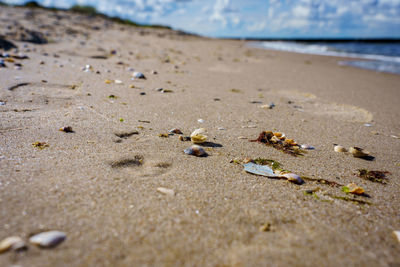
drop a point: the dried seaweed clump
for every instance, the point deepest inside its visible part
(280, 142)
(373, 176)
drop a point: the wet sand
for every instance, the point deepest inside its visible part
(101, 190)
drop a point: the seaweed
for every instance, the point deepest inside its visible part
(373, 176)
(274, 164)
(266, 137)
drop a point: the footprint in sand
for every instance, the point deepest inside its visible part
(137, 164)
(309, 103)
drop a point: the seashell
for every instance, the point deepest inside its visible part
(175, 131)
(242, 137)
(339, 148)
(48, 239)
(355, 189)
(196, 150)
(138, 75)
(294, 178)
(275, 139)
(197, 136)
(278, 134)
(166, 191)
(358, 152)
(118, 81)
(67, 129)
(397, 234)
(13, 242)
(200, 121)
(269, 106)
(257, 169)
(305, 146)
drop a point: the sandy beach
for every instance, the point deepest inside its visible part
(99, 183)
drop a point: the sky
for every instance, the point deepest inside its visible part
(257, 18)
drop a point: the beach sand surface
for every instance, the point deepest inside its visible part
(101, 189)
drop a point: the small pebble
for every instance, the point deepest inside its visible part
(48, 239)
(2, 103)
(294, 178)
(368, 125)
(142, 93)
(138, 75)
(154, 72)
(305, 146)
(200, 121)
(196, 150)
(269, 106)
(166, 191)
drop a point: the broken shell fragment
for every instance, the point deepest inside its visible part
(355, 189)
(197, 136)
(339, 148)
(263, 170)
(175, 131)
(13, 242)
(184, 138)
(358, 152)
(196, 150)
(138, 75)
(294, 178)
(48, 239)
(166, 191)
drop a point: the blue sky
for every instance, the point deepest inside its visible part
(257, 18)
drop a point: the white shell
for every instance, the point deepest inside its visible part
(118, 81)
(166, 191)
(338, 148)
(12, 242)
(291, 177)
(48, 239)
(198, 136)
(200, 121)
(358, 152)
(397, 234)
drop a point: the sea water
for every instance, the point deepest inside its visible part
(381, 57)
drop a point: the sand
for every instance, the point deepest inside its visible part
(113, 214)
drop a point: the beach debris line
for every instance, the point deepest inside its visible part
(196, 150)
(48, 239)
(279, 141)
(166, 191)
(14, 243)
(198, 136)
(373, 176)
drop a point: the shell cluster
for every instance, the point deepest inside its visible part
(138, 75)
(357, 152)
